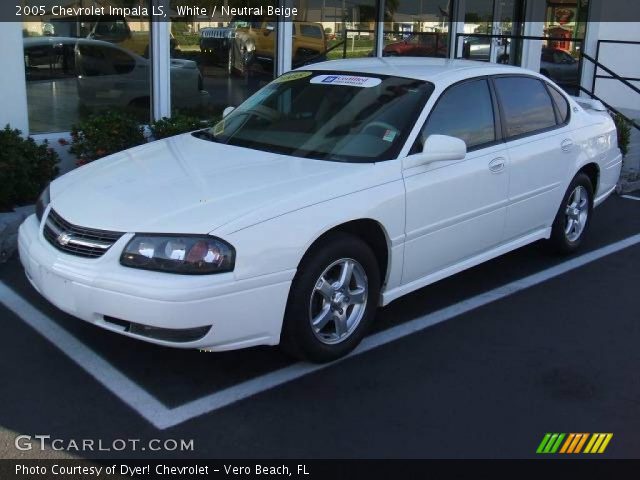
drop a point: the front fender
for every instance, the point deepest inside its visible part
(279, 244)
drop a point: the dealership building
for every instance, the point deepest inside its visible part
(58, 69)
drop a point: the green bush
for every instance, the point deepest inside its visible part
(624, 133)
(25, 168)
(185, 39)
(103, 134)
(177, 124)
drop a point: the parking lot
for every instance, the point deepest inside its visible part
(479, 365)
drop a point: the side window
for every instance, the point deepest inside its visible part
(526, 105)
(561, 104)
(50, 62)
(464, 111)
(98, 60)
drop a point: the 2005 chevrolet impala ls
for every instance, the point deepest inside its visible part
(331, 191)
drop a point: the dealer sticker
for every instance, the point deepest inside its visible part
(218, 128)
(389, 135)
(350, 80)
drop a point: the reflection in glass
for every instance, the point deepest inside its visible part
(77, 65)
(417, 28)
(234, 57)
(326, 115)
(333, 29)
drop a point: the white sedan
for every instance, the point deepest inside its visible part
(335, 189)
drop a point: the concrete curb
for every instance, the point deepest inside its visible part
(9, 224)
(625, 186)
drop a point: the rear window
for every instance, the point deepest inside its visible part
(526, 105)
(310, 31)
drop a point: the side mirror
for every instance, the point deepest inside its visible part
(437, 148)
(227, 111)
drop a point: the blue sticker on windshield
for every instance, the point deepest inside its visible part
(348, 80)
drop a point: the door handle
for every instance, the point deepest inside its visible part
(497, 164)
(566, 145)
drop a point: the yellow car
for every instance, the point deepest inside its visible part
(252, 46)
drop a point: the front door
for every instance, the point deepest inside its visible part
(456, 209)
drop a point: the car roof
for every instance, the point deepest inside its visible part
(422, 68)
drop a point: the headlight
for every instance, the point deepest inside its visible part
(186, 254)
(42, 203)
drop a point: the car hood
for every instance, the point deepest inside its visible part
(188, 185)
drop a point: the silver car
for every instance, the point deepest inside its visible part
(105, 74)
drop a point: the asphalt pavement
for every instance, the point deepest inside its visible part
(558, 356)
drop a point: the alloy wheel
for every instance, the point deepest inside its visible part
(576, 213)
(338, 301)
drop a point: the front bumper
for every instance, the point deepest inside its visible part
(103, 292)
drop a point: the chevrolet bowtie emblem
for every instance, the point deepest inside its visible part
(64, 238)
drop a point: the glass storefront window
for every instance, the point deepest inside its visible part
(565, 28)
(416, 29)
(78, 65)
(333, 29)
(219, 60)
(493, 28)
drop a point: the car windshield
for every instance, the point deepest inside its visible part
(323, 115)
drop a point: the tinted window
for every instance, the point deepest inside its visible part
(561, 104)
(310, 31)
(327, 116)
(50, 62)
(99, 60)
(547, 56)
(526, 104)
(464, 111)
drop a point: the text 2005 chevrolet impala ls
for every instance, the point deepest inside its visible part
(331, 191)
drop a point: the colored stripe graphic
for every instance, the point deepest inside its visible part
(574, 443)
(550, 443)
(598, 442)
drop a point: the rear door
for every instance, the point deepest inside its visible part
(541, 151)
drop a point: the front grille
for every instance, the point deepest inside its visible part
(75, 240)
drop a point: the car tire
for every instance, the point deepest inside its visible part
(342, 311)
(574, 216)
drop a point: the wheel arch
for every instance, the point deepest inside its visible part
(591, 170)
(369, 231)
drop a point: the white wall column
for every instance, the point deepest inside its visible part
(161, 65)
(457, 26)
(379, 33)
(13, 87)
(284, 42)
(531, 49)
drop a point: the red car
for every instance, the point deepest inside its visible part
(418, 45)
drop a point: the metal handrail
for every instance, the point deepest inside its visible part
(630, 121)
(616, 42)
(614, 76)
